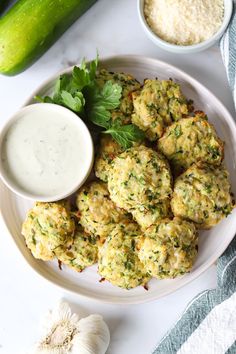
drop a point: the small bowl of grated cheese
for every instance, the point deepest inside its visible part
(183, 26)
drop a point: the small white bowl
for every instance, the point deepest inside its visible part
(58, 154)
(186, 49)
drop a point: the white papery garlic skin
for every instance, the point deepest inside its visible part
(94, 336)
(64, 333)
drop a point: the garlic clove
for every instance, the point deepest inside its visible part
(93, 336)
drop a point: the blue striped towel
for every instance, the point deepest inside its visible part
(208, 325)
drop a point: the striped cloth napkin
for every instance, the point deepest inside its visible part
(208, 325)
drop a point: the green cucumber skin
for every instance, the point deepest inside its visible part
(30, 27)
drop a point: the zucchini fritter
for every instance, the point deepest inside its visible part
(97, 213)
(169, 248)
(118, 260)
(202, 194)
(81, 254)
(46, 227)
(151, 214)
(139, 178)
(157, 105)
(108, 150)
(191, 140)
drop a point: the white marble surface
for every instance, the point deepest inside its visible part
(113, 28)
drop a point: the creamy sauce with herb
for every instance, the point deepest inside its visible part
(43, 153)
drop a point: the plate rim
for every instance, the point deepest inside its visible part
(115, 299)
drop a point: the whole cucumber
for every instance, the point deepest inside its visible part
(30, 27)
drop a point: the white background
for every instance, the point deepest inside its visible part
(112, 27)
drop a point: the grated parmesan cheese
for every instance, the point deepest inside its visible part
(184, 22)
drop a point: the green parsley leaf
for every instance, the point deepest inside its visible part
(45, 99)
(68, 88)
(63, 83)
(75, 103)
(110, 95)
(93, 67)
(100, 101)
(81, 78)
(84, 76)
(100, 116)
(125, 135)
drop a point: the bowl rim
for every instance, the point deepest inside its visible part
(228, 9)
(88, 146)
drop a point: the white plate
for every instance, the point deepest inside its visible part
(212, 242)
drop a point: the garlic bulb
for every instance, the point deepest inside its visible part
(64, 333)
(94, 336)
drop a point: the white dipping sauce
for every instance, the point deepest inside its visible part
(44, 152)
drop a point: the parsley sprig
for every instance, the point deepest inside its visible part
(80, 93)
